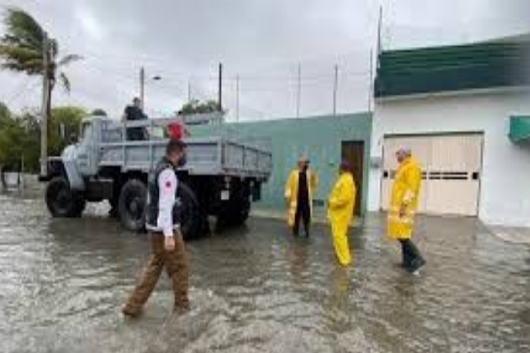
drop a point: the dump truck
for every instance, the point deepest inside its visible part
(221, 178)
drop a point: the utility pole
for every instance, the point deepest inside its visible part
(21, 177)
(379, 49)
(379, 28)
(142, 87)
(220, 91)
(299, 90)
(44, 107)
(371, 84)
(189, 90)
(335, 88)
(237, 98)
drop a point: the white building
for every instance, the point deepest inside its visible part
(465, 112)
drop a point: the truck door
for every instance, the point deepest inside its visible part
(87, 153)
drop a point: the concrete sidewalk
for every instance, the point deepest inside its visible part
(511, 234)
(318, 217)
(507, 234)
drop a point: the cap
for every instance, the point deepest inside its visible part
(303, 159)
(404, 149)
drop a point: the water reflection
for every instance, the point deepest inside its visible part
(339, 309)
(257, 288)
(298, 257)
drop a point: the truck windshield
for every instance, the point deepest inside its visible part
(86, 131)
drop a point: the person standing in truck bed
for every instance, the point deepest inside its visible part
(135, 112)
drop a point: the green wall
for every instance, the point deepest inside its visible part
(319, 138)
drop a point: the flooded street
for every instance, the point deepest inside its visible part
(258, 289)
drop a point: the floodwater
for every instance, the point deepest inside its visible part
(257, 289)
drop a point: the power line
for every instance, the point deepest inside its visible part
(205, 77)
(335, 87)
(27, 91)
(18, 91)
(298, 90)
(258, 87)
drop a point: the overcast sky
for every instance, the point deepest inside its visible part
(261, 41)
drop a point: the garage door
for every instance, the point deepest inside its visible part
(451, 172)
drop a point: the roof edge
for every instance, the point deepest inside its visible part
(455, 93)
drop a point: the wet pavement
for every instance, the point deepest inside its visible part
(257, 289)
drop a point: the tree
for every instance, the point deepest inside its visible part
(22, 50)
(11, 142)
(5, 116)
(196, 107)
(5, 113)
(20, 137)
(99, 112)
(31, 150)
(64, 127)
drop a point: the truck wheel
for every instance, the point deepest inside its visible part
(187, 212)
(132, 205)
(62, 201)
(114, 200)
(244, 211)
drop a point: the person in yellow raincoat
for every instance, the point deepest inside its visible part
(299, 190)
(403, 206)
(341, 203)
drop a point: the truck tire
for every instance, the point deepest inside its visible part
(132, 205)
(244, 210)
(187, 211)
(114, 200)
(62, 201)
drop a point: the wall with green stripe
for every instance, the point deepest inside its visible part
(319, 138)
(452, 68)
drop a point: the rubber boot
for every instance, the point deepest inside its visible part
(404, 257)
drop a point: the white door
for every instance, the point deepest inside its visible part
(451, 172)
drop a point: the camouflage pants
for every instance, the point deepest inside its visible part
(176, 265)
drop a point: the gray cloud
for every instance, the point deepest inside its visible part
(260, 40)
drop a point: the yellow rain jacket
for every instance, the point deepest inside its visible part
(341, 204)
(405, 192)
(291, 193)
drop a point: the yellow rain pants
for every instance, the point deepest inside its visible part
(341, 204)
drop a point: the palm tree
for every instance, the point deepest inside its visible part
(22, 49)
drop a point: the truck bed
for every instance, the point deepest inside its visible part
(216, 155)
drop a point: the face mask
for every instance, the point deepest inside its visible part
(182, 161)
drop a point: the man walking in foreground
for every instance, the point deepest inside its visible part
(299, 191)
(164, 234)
(403, 206)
